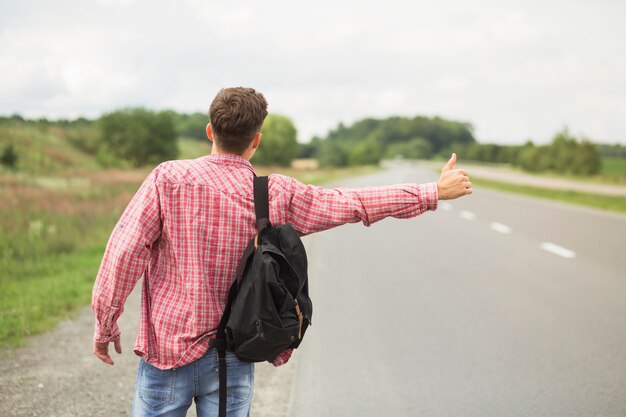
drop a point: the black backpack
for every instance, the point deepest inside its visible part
(268, 308)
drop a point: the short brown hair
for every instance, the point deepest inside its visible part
(236, 115)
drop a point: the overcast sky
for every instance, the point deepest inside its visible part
(515, 70)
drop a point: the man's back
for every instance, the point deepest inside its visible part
(206, 210)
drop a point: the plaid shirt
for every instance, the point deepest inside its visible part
(185, 230)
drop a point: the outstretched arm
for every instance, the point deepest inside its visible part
(313, 209)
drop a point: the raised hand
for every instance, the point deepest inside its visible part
(453, 183)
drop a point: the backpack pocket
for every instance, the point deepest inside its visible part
(267, 342)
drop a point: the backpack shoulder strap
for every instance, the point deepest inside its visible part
(262, 211)
(261, 202)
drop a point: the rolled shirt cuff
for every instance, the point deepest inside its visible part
(105, 336)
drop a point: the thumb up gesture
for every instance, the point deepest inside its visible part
(453, 183)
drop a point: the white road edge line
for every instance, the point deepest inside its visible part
(501, 228)
(467, 215)
(558, 250)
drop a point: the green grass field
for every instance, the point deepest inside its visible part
(614, 167)
(48, 290)
(53, 230)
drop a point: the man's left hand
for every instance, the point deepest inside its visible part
(101, 350)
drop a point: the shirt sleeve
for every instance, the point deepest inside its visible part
(283, 358)
(313, 209)
(126, 257)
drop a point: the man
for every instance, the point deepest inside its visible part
(185, 231)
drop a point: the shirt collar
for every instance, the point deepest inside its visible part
(230, 159)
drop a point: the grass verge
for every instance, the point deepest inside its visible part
(613, 203)
(614, 167)
(53, 289)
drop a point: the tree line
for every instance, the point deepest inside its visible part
(565, 154)
(367, 141)
(139, 136)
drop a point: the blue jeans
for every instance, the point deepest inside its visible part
(170, 393)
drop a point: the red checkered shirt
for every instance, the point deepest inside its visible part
(185, 230)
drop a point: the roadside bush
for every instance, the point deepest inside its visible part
(535, 159)
(587, 160)
(565, 155)
(8, 158)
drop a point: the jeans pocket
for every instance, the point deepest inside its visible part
(240, 380)
(156, 386)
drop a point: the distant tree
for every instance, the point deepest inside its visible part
(587, 160)
(278, 143)
(309, 150)
(85, 137)
(571, 156)
(16, 118)
(8, 158)
(534, 158)
(562, 151)
(140, 136)
(368, 152)
(508, 154)
(191, 125)
(488, 152)
(393, 133)
(418, 148)
(332, 154)
(613, 151)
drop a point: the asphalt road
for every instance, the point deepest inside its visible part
(495, 305)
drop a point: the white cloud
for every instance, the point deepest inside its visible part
(515, 71)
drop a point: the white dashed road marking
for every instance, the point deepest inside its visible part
(501, 228)
(558, 250)
(507, 230)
